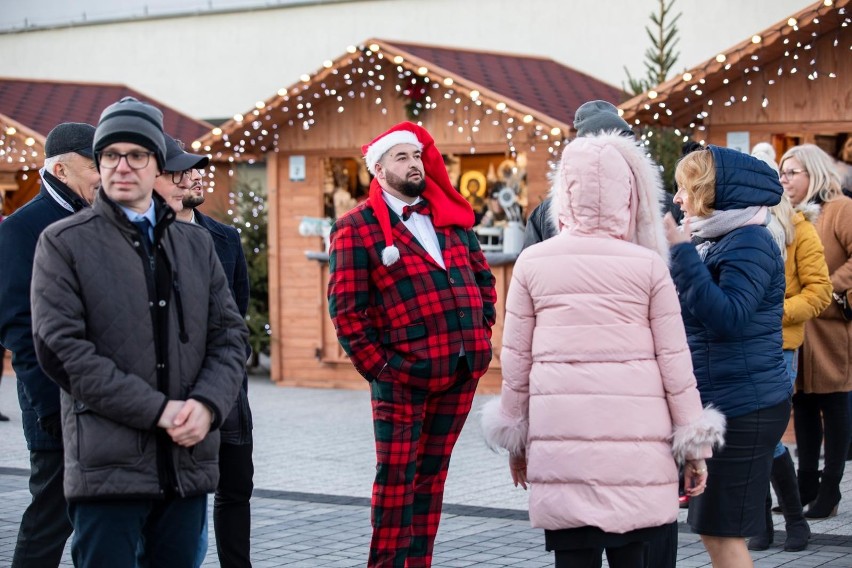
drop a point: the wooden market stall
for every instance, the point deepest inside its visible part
(21, 153)
(788, 84)
(35, 106)
(499, 119)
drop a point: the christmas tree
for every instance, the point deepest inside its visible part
(248, 199)
(663, 143)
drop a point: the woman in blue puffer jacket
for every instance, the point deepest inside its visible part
(731, 287)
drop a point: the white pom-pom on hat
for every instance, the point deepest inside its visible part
(390, 255)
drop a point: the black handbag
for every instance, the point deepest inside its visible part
(845, 302)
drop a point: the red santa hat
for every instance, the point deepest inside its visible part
(447, 206)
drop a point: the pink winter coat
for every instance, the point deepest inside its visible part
(597, 374)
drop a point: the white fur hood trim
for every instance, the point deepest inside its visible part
(649, 232)
(502, 431)
(811, 211)
(692, 440)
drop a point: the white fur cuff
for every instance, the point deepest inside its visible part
(692, 440)
(502, 431)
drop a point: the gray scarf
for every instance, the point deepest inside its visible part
(720, 223)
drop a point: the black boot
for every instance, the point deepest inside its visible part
(808, 486)
(827, 499)
(762, 541)
(787, 489)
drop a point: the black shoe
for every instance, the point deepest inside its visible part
(3, 417)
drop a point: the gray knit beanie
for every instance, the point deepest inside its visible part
(599, 116)
(133, 121)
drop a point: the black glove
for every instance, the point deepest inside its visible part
(52, 424)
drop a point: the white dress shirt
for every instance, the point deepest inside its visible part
(420, 226)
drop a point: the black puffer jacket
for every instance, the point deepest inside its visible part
(539, 225)
(122, 339)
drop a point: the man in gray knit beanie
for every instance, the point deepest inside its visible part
(134, 320)
(133, 121)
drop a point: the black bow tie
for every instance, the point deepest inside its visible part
(420, 207)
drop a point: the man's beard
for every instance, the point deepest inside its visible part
(405, 187)
(191, 201)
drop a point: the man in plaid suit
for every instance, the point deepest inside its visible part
(412, 299)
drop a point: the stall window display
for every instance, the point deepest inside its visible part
(494, 185)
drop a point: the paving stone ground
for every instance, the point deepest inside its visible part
(314, 462)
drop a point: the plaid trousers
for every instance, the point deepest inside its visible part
(415, 432)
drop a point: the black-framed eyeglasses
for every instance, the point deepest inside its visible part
(136, 159)
(790, 173)
(178, 177)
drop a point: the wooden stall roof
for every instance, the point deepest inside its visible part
(536, 91)
(21, 148)
(782, 48)
(40, 105)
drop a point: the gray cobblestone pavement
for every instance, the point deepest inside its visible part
(314, 463)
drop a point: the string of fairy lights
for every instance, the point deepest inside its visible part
(18, 150)
(374, 73)
(371, 72)
(803, 38)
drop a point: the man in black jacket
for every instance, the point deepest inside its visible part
(69, 180)
(231, 505)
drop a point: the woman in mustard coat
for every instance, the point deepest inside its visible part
(821, 406)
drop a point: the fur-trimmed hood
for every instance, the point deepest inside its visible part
(810, 211)
(606, 185)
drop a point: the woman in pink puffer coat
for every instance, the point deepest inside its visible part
(599, 400)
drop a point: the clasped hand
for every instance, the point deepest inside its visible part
(186, 421)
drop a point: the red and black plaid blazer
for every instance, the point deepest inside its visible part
(412, 318)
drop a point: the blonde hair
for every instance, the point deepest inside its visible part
(823, 177)
(696, 175)
(781, 226)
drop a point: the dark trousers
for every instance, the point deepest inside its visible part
(633, 555)
(415, 432)
(45, 525)
(817, 416)
(115, 533)
(662, 551)
(231, 508)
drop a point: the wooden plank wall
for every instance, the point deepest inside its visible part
(797, 106)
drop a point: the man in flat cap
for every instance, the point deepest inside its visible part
(133, 318)
(68, 183)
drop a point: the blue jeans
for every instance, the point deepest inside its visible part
(204, 539)
(115, 532)
(791, 358)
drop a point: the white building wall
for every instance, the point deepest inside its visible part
(212, 66)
